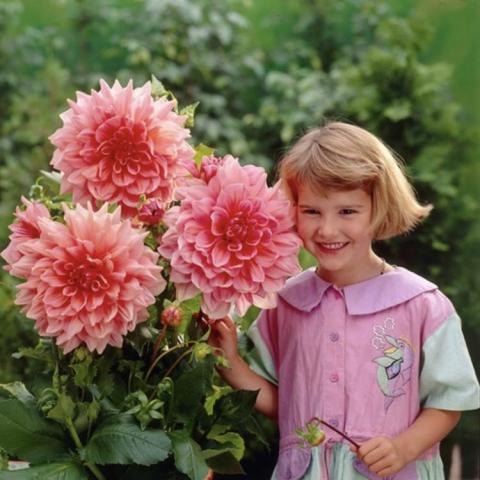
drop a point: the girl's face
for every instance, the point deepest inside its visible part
(335, 227)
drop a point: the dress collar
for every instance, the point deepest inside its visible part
(305, 291)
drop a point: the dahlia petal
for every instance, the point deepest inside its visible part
(220, 254)
(185, 291)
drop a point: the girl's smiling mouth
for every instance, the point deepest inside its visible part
(332, 247)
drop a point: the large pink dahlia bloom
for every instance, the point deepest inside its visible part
(91, 280)
(24, 228)
(118, 143)
(231, 239)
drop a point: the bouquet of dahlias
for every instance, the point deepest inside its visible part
(125, 254)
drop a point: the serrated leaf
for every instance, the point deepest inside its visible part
(26, 434)
(52, 471)
(188, 456)
(19, 391)
(119, 440)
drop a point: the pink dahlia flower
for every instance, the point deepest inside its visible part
(92, 279)
(25, 228)
(118, 143)
(231, 239)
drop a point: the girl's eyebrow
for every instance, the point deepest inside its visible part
(358, 207)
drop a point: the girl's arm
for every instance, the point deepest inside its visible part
(386, 456)
(238, 374)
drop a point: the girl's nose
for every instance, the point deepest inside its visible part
(326, 228)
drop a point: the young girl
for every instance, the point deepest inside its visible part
(373, 349)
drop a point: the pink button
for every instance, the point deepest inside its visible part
(334, 378)
(334, 336)
(333, 422)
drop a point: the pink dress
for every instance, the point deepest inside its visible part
(366, 358)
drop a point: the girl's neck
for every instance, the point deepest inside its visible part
(370, 268)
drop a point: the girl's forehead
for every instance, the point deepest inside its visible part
(308, 194)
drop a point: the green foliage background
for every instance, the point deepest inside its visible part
(264, 72)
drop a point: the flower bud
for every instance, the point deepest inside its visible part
(152, 212)
(316, 438)
(201, 350)
(171, 316)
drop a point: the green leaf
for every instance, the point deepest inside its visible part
(202, 151)
(119, 440)
(188, 456)
(19, 391)
(85, 370)
(158, 90)
(28, 435)
(225, 463)
(65, 408)
(42, 352)
(189, 112)
(236, 407)
(188, 308)
(217, 393)
(231, 442)
(52, 471)
(190, 389)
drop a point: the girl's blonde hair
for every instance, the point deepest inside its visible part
(345, 157)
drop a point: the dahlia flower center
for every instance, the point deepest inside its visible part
(87, 276)
(247, 226)
(125, 147)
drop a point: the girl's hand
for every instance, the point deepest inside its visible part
(224, 337)
(382, 455)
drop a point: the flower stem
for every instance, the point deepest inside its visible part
(78, 443)
(344, 435)
(177, 361)
(158, 342)
(154, 363)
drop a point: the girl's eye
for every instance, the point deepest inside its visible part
(309, 211)
(347, 211)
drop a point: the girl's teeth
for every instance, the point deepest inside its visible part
(333, 246)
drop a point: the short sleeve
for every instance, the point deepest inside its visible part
(447, 378)
(264, 335)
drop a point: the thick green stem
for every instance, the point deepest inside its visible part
(78, 443)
